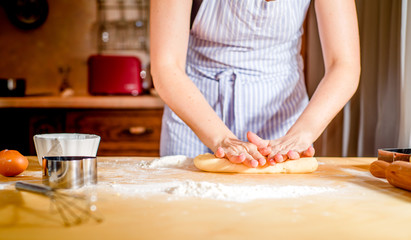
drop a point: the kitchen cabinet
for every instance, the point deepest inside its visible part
(128, 126)
(122, 132)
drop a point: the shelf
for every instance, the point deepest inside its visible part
(84, 102)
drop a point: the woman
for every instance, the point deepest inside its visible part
(233, 82)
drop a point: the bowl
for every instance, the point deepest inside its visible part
(65, 144)
(394, 154)
(69, 172)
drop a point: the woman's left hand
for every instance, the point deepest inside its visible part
(289, 147)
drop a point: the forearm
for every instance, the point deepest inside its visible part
(334, 91)
(184, 98)
(338, 28)
(169, 33)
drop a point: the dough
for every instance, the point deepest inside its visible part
(208, 162)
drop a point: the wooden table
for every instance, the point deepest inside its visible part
(362, 207)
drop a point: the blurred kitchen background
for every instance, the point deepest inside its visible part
(72, 32)
(49, 44)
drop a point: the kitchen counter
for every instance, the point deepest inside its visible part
(88, 102)
(351, 205)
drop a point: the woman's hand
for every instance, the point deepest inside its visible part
(237, 151)
(279, 150)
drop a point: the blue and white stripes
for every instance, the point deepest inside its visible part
(244, 57)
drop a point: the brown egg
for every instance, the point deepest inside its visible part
(12, 163)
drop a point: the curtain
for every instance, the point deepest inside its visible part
(371, 119)
(405, 124)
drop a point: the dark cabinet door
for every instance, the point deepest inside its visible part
(45, 121)
(14, 131)
(18, 126)
(122, 132)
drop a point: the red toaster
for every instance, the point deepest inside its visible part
(114, 75)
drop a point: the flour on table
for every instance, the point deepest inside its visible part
(177, 161)
(5, 186)
(356, 172)
(176, 177)
(242, 193)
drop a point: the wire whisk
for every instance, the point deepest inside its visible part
(73, 209)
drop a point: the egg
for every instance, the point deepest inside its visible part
(12, 163)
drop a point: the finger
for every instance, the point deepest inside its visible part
(262, 161)
(276, 158)
(293, 155)
(271, 161)
(255, 139)
(265, 151)
(250, 162)
(279, 158)
(276, 150)
(234, 158)
(309, 152)
(220, 152)
(256, 155)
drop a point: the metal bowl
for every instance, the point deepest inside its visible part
(65, 144)
(69, 172)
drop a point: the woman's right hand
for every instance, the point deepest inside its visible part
(237, 151)
(290, 147)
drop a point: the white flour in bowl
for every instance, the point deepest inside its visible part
(176, 177)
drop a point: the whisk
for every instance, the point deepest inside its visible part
(73, 208)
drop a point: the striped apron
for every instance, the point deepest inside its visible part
(244, 56)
